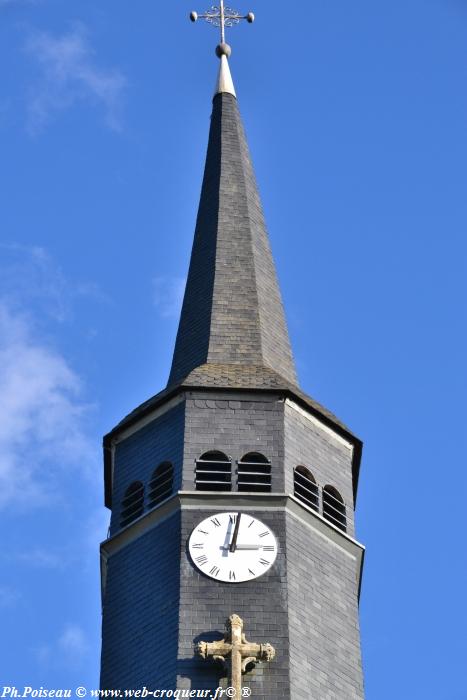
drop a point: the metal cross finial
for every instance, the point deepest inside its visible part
(222, 17)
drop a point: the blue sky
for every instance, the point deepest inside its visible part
(356, 116)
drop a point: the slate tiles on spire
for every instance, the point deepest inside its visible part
(232, 311)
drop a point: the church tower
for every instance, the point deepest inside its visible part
(231, 559)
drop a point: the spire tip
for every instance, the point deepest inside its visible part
(224, 79)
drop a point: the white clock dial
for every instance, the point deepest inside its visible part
(232, 547)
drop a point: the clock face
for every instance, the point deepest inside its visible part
(232, 547)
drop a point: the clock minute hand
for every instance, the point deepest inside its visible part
(233, 544)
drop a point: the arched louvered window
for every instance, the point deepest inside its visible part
(334, 507)
(161, 484)
(254, 473)
(305, 487)
(213, 472)
(132, 504)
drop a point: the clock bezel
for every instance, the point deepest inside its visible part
(238, 570)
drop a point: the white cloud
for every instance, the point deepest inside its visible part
(41, 414)
(70, 75)
(168, 295)
(44, 433)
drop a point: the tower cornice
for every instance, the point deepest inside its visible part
(254, 502)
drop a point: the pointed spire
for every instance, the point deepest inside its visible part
(224, 78)
(232, 329)
(232, 318)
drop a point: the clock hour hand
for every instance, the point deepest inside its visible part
(244, 547)
(233, 544)
(225, 547)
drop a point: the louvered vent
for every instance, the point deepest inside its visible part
(254, 473)
(213, 472)
(334, 507)
(133, 503)
(161, 484)
(305, 487)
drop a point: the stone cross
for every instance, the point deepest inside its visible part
(242, 655)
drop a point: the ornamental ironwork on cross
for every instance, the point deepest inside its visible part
(222, 17)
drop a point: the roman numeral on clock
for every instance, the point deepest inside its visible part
(267, 548)
(202, 560)
(233, 519)
(214, 571)
(200, 545)
(215, 522)
(231, 575)
(264, 562)
(263, 534)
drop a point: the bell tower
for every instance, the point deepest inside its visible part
(231, 559)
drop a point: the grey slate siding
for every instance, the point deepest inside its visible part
(306, 605)
(232, 310)
(323, 454)
(158, 605)
(137, 456)
(262, 604)
(236, 425)
(325, 659)
(140, 611)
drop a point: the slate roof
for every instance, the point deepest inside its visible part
(213, 376)
(232, 311)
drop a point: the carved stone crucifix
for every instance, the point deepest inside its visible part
(241, 654)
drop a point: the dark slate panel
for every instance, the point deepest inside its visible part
(205, 605)
(137, 456)
(140, 612)
(322, 591)
(234, 425)
(324, 454)
(232, 310)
